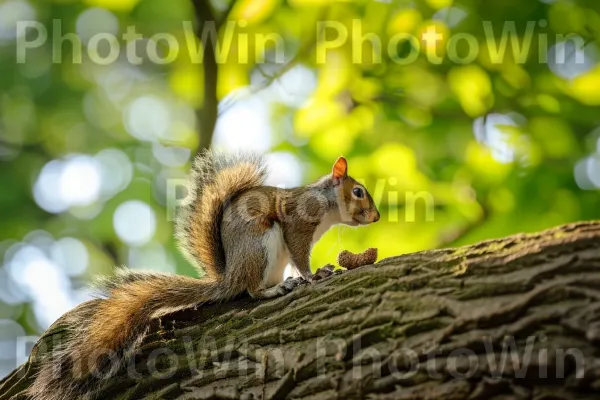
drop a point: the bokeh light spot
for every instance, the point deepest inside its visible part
(11, 13)
(134, 222)
(284, 170)
(71, 255)
(94, 21)
(79, 183)
(148, 118)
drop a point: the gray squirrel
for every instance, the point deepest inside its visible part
(239, 233)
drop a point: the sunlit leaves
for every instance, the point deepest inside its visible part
(566, 17)
(501, 200)
(335, 75)
(472, 86)
(398, 162)
(479, 159)
(548, 103)
(187, 82)
(554, 136)
(115, 5)
(419, 84)
(405, 20)
(434, 36)
(318, 114)
(254, 11)
(516, 76)
(303, 3)
(232, 76)
(437, 4)
(585, 87)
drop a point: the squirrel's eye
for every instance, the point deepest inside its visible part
(358, 192)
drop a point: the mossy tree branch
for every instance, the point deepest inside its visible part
(429, 325)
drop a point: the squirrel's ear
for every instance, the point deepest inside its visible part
(340, 168)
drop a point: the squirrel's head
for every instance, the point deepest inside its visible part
(355, 203)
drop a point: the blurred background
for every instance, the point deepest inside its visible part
(92, 156)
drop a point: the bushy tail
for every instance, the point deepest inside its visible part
(215, 179)
(105, 328)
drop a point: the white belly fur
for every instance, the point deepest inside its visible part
(278, 256)
(330, 219)
(278, 253)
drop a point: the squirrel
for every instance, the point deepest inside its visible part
(239, 233)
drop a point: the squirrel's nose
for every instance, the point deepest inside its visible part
(376, 217)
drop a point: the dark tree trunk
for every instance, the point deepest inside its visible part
(513, 318)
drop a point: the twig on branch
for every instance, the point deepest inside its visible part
(225, 14)
(302, 53)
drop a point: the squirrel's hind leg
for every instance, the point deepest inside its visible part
(261, 259)
(276, 260)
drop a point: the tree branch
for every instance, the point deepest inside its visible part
(207, 115)
(429, 325)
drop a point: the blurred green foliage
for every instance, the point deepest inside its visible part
(494, 148)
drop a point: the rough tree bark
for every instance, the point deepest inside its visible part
(429, 325)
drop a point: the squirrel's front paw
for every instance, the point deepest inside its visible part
(290, 284)
(324, 272)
